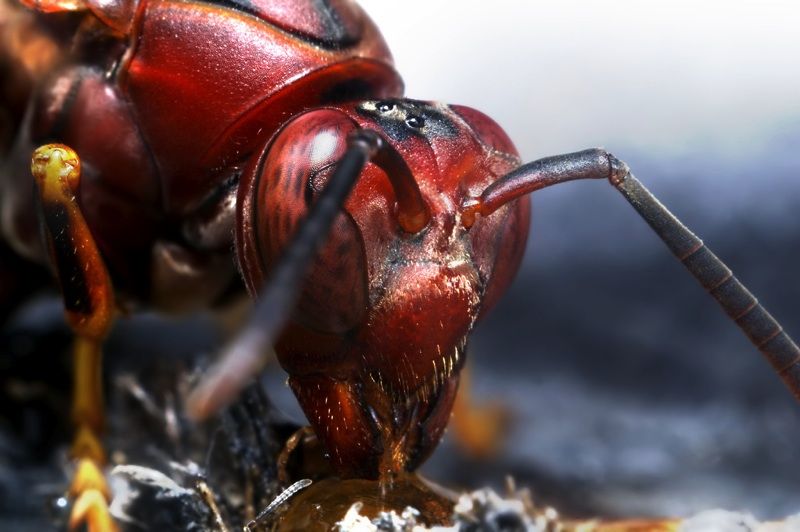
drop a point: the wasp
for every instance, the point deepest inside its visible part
(179, 150)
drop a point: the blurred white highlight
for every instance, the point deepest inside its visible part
(666, 77)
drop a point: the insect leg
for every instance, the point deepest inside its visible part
(88, 306)
(480, 428)
(738, 303)
(242, 360)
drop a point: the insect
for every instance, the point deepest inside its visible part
(428, 240)
(561, 321)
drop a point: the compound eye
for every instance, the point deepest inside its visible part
(415, 122)
(285, 182)
(487, 132)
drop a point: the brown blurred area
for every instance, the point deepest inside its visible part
(29, 48)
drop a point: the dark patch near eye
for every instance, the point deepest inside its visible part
(343, 249)
(287, 182)
(416, 122)
(334, 34)
(309, 192)
(245, 6)
(70, 270)
(394, 128)
(315, 183)
(338, 269)
(288, 171)
(348, 91)
(276, 177)
(403, 118)
(298, 184)
(299, 179)
(285, 226)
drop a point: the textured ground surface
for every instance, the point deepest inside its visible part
(630, 393)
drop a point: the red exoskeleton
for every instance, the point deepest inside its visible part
(374, 230)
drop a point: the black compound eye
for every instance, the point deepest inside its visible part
(385, 107)
(416, 122)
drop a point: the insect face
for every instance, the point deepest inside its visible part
(401, 281)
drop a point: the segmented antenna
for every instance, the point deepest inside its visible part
(743, 308)
(738, 303)
(284, 496)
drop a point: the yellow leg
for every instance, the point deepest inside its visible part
(89, 308)
(480, 430)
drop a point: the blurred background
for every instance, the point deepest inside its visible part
(630, 392)
(627, 390)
